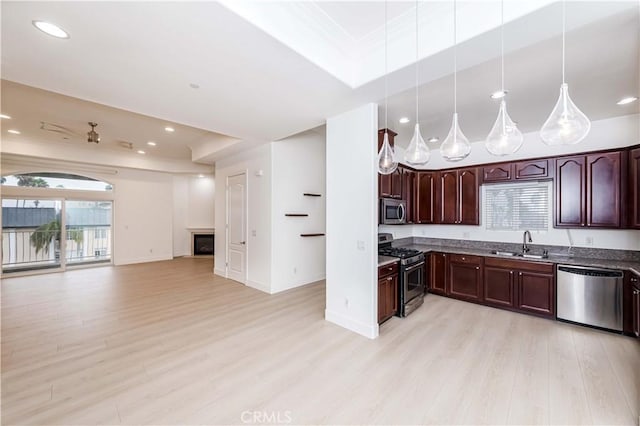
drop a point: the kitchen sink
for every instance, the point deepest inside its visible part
(534, 256)
(524, 255)
(504, 253)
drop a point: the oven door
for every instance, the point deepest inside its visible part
(413, 281)
(392, 212)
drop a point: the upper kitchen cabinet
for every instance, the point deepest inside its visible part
(389, 186)
(588, 190)
(425, 197)
(516, 172)
(458, 197)
(502, 172)
(409, 193)
(634, 188)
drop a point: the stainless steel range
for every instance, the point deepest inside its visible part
(411, 285)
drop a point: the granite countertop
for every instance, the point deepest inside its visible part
(561, 258)
(386, 260)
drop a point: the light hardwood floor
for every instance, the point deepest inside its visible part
(169, 343)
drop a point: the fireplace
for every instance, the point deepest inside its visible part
(203, 244)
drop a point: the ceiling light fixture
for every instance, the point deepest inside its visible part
(151, 143)
(140, 151)
(51, 29)
(387, 161)
(404, 120)
(566, 125)
(456, 146)
(623, 101)
(169, 129)
(194, 85)
(418, 152)
(505, 137)
(200, 175)
(14, 132)
(8, 117)
(434, 139)
(499, 94)
(92, 135)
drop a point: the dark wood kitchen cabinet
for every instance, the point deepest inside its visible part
(499, 285)
(631, 305)
(389, 186)
(425, 197)
(536, 292)
(531, 170)
(458, 197)
(634, 188)
(387, 291)
(465, 277)
(408, 193)
(502, 172)
(438, 273)
(588, 190)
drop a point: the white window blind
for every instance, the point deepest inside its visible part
(517, 207)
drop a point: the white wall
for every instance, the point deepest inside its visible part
(352, 197)
(193, 207)
(298, 167)
(605, 134)
(256, 163)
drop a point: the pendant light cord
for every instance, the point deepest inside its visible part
(563, 36)
(386, 78)
(455, 59)
(502, 42)
(417, 60)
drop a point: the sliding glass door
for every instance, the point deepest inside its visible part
(88, 232)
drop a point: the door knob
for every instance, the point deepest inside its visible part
(243, 242)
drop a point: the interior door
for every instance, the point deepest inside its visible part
(237, 228)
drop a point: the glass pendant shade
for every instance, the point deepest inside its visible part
(456, 146)
(387, 163)
(566, 125)
(418, 152)
(504, 138)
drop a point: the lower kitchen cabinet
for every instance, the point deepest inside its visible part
(536, 292)
(465, 277)
(438, 273)
(499, 288)
(387, 292)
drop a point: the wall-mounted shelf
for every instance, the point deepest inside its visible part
(296, 214)
(308, 194)
(311, 235)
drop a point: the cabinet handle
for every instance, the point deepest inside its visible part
(390, 278)
(510, 272)
(477, 267)
(463, 258)
(634, 280)
(520, 273)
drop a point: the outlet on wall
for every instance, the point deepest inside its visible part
(465, 235)
(295, 270)
(588, 241)
(360, 245)
(253, 232)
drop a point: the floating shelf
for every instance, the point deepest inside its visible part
(311, 235)
(296, 214)
(308, 194)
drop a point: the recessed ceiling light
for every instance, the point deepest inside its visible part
(434, 139)
(169, 129)
(194, 85)
(14, 132)
(404, 120)
(8, 117)
(141, 151)
(499, 94)
(627, 100)
(201, 175)
(51, 29)
(151, 143)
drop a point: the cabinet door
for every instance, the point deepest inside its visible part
(603, 190)
(408, 193)
(468, 198)
(465, 277)
(425, 198)
(382, 299)
(438, 269)
(536, 293)
(636, 311)
(396, 183)
(384, 186)
(536, 169)
(448, 197)
(634, 188)
(392, 297)
(497, 173)
(499, 286)
(570, 192)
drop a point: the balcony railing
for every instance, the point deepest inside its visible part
(93, 244)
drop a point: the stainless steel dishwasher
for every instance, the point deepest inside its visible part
(590, 296)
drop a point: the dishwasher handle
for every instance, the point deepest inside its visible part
(591, 272)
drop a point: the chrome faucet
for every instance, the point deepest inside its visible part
(525, 247)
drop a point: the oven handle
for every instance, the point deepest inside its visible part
(412, 267)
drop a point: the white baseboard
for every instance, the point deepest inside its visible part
(219, 272)
(259, 286)
(298, 284)
(141, 260)
(369, 331)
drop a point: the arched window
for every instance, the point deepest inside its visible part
(56, 180)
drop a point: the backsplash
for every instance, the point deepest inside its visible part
(582, 252)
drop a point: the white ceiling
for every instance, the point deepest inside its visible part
(256, 85)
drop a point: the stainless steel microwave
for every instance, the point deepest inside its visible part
(392, 212)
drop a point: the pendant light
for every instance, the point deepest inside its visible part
(566, 125)
(505, 137)
(456, 146)
(418, 152)
(387, 162)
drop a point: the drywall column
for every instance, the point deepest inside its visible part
(351, 240)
